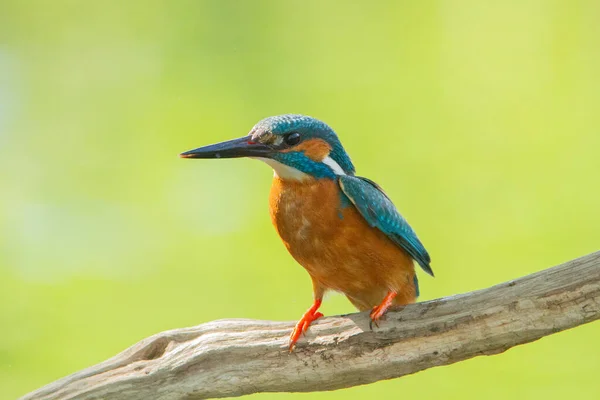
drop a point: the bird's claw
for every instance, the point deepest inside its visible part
(378, 312)
(302, 326)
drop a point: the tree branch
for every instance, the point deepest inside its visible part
(236, 357)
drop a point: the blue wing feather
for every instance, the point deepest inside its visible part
(379, 211)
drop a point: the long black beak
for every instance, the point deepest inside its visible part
(242, 147)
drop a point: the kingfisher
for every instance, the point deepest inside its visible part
(342, 228)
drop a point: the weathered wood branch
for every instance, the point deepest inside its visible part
(237, 357)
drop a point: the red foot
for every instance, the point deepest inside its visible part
(309, 316)
(381, 309)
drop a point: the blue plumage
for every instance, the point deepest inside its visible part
(379, 211)
(309, 128)
(416, 282)
(301, 162)
(314, 177)
(370, 200)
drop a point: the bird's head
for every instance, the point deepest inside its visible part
(296, 146)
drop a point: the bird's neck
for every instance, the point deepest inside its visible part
(287, 173)
(298, 165)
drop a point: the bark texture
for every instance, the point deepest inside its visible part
(237, 357)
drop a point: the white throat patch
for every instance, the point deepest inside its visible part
(283, 171)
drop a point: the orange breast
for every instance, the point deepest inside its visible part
(336, 245)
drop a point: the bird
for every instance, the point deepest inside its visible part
(342, 228)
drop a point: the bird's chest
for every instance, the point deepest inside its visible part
(307, 217)
(333, 242)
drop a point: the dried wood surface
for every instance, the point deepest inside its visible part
(236, 357)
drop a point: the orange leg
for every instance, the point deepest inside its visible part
(378, 311)
(309, 316)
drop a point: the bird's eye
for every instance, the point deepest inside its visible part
(292, 139)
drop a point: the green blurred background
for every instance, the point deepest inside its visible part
(479, 119)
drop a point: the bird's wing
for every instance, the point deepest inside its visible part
(379, 211)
